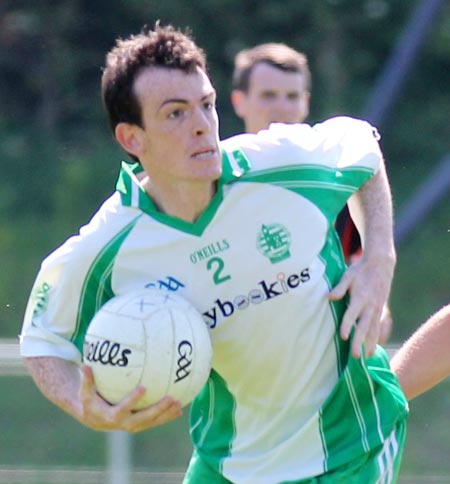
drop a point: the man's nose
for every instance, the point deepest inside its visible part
(202, 122)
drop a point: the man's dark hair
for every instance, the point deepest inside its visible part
(275, 54)
(160, 47)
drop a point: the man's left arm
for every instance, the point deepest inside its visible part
(369, 279)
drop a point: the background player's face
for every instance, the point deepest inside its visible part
(273, 95)
(180, 140)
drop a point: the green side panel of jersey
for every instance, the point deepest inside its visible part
(333, 260)
(362, 410)
(367, 401)
(217, 426)
(97, 285)
(328, 188)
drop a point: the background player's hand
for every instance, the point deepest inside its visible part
(368, 282)
(100, 415)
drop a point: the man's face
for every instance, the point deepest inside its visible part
(274, 96)
(179, 141)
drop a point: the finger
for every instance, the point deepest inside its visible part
(360, 334)
(385, 326)
(87, 373)
(349, 320)
(367, 333)
(128, 404)
(160, 413)
(340, 290)
(88, 388)
(166, 404)
(170, 413)
(385, 331)
(373, 335)
(87, 384)
(370, 346)
(131, 400)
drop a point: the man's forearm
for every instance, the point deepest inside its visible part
(72, 388)
(424, 360)
(58, 380)
(371, 210)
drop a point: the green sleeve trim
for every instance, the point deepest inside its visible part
(328, 188)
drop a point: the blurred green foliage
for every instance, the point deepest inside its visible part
(59, 159)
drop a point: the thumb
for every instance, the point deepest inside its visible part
(87, 378)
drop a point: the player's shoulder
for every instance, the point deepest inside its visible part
(277, 134)
(92, 238)
(280, 144)
(302, 134)
(340, 127)
(288, 144)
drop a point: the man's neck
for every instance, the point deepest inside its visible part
(185, 201)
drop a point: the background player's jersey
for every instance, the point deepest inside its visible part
(282, 402)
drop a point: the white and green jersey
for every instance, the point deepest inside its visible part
(283, 401)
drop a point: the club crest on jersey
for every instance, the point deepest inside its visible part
(273, 241)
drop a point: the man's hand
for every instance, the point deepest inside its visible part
(99, 415)
(72, 388)
(368, 282)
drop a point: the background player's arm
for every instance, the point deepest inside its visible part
(72, 388)
(369, 279)
(424, 360)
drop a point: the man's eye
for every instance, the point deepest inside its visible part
(268, 95)
(175, 114)
(209, 105)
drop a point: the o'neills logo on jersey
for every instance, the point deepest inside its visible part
(264, 292)
(210, 250)
(274, 241)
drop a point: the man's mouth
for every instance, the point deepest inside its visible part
(204, 154)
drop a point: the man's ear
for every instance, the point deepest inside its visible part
(238, 100)
(130, 137)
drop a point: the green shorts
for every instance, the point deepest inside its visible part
(380, 466)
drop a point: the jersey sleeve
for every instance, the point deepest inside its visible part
(51, 314)
(325, 163)
(355, 140)
(73, 282)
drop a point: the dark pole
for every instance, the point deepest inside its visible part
(394, 74)
(432, 190)
(401, 61)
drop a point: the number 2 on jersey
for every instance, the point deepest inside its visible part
(217, 264)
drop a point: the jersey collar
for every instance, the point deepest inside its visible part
(234, 166)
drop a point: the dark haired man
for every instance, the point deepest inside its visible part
(292, 396)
